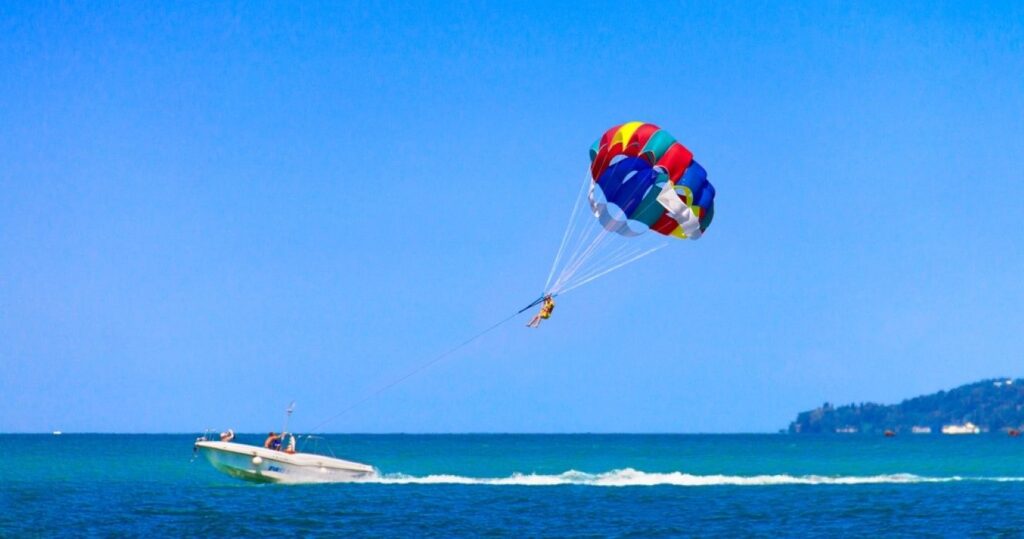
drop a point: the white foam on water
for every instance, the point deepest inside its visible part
(629, 477)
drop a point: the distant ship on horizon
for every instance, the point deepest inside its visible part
(966, 428)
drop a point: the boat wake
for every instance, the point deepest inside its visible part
(629, 477)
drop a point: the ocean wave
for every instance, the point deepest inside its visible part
(629, 477)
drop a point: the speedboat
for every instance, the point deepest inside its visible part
(282, 463)
(263, 465)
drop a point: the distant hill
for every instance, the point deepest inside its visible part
(992, 405)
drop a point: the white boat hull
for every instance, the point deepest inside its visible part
(264, 465)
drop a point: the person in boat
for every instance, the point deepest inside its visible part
(291, 444)
(273, 441)
(227, 435)
(545, 312)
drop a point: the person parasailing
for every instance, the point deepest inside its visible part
(545, 312)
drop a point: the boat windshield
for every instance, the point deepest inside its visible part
(317, 445)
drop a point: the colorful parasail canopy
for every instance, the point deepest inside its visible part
(643, 179)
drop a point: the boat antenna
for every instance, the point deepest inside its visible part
(288, 417)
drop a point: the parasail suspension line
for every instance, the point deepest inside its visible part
(570, 228)
(588, 278)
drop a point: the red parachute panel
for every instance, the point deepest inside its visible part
(675, 160)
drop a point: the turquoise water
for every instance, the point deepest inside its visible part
(534, 485)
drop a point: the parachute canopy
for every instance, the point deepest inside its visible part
(643, 179)
(640, 179)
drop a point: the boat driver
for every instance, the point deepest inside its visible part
(273, 441)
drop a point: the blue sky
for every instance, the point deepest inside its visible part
(207, 211)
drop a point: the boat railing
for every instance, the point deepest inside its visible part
(317, 445)
(208, 435)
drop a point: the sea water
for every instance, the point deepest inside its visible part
(528, 485)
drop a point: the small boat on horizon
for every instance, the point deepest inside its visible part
(966, 428)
